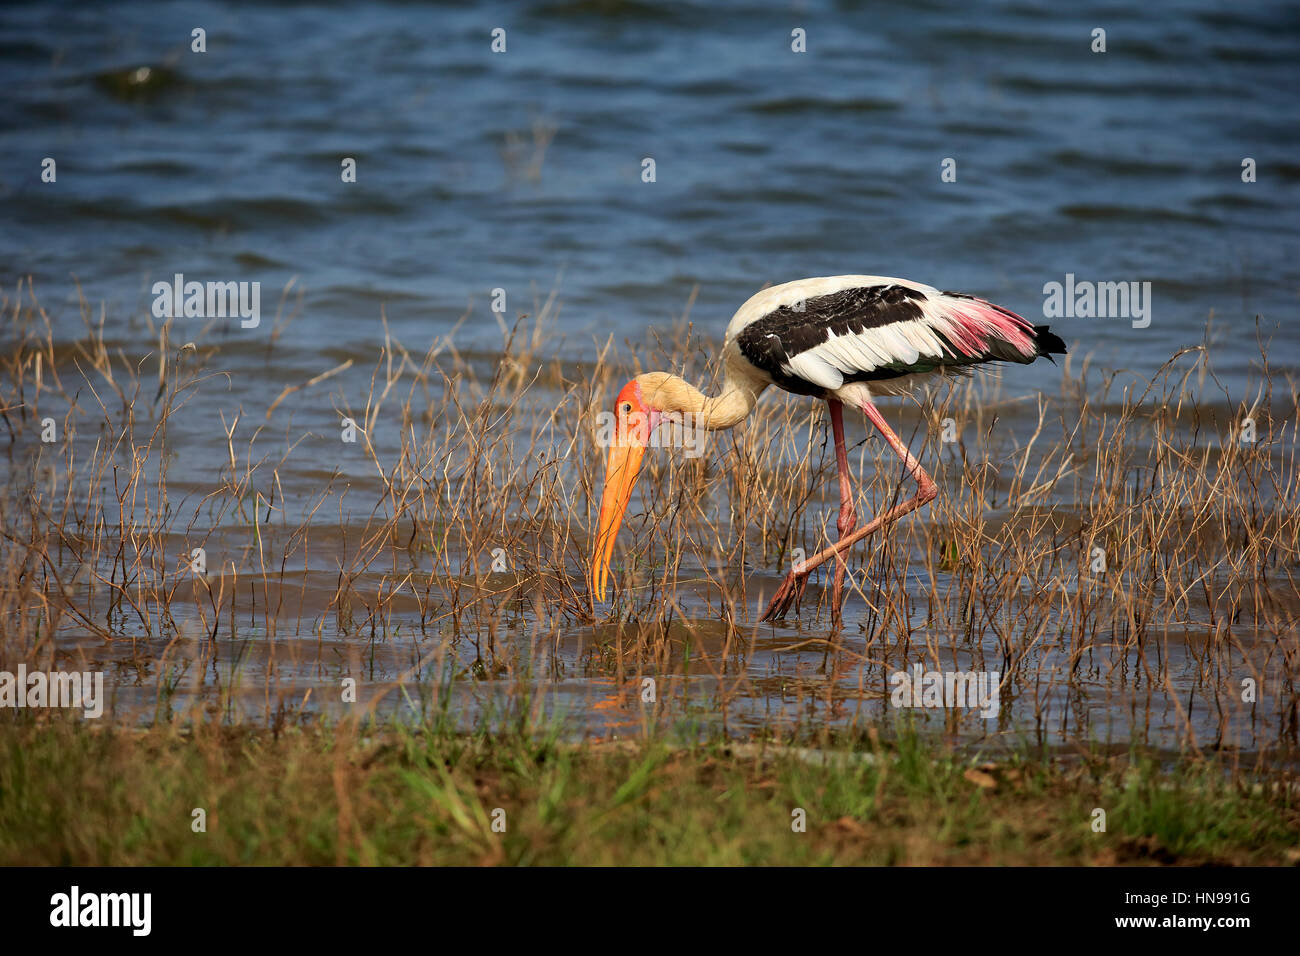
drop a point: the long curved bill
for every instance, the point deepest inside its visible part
(620, 475)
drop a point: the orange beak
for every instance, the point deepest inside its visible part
(633, 424)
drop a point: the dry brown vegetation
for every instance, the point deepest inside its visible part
(386, 571)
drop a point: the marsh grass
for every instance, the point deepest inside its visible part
(383, 567)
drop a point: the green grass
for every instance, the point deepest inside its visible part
(73, 793)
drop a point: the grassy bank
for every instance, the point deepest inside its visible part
(77, 794)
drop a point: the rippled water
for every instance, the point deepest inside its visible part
(523, 171)
(770, 165)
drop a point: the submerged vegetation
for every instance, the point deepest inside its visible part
(302, 584)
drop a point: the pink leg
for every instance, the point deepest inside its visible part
(793, 585)
(848, 515)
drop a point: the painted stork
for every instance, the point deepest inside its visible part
(843, 339)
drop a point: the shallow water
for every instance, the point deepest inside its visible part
(522, 171)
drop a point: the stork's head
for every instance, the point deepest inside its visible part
(637, 413)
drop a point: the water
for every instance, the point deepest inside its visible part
(522, 171)
(770, 165)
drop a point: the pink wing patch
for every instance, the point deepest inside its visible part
(973, 321)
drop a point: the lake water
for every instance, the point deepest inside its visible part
(769, 165)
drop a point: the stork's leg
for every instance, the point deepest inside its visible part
(848, 519)
(792, 587)
(796, 580)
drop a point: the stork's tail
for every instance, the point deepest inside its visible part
(1048, 342)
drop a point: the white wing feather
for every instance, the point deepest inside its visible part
(812, 367)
